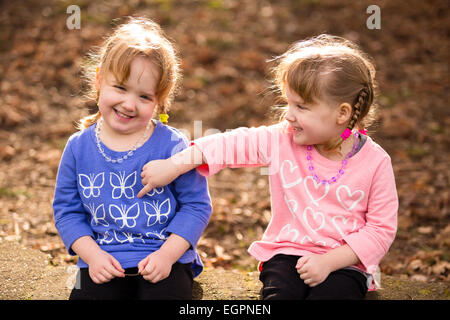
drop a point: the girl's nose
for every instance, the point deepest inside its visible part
(289, 116)
(129, 103)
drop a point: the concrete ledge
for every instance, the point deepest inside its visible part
(25, 274)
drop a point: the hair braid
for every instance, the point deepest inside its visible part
(361, 101)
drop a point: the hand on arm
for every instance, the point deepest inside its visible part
(314, 269)
(157, 265)
(159, 173)
(102, 266)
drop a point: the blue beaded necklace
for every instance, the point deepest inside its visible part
(340, 172)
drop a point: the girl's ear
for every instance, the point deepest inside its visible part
(344, 113)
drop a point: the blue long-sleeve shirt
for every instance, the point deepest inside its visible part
(97, 198)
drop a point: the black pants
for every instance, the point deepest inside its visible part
(178, 285)
(281, 281)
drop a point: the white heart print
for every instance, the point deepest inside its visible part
(350, 195)
(292, 168)
(292, 206)
(286, 231)
(344, 221)
(309, 213)
(317, 186)
(308, 238)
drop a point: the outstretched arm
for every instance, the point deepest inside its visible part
(159, 173)
(242, 147)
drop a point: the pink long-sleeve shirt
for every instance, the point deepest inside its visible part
(360, 209)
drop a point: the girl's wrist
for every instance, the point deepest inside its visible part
(173, 248)
(340, 257)
(167, 255)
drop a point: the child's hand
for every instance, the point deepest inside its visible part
(103, 267)
(313, 269)
(157, 173)
(155, 267)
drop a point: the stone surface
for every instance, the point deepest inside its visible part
(25, 274)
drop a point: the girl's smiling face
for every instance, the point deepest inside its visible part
(127, 107)
(311, 123)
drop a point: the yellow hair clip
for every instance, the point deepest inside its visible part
(164, 117)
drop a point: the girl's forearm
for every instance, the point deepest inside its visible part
(85, 247)
(159, 173)
(188, 159)
(341, 257)
(174, 247)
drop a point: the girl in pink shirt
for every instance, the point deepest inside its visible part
(334, 200)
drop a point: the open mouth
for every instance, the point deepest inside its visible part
(122, 115)
(296, 129)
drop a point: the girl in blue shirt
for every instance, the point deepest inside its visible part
(129, 247)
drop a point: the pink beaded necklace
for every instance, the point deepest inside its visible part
(340, 172)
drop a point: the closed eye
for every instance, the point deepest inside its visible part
(120, 87)
(147, 98)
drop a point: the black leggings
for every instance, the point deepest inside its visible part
(282, 282)
(178, 285)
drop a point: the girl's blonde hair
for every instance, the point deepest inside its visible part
(333, 70)
(136, 37)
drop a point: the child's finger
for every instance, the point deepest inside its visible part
(142, 264)
(95, 280)
(302, 269)
(100, 278)
(117, 266)
(301, 262)
(304, 276)
(149, 268)
(106, 274)
(114, 272)
(144, 190)
(153, 277)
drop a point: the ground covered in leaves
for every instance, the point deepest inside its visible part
(225, 46)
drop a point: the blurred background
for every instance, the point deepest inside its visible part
(225, 46)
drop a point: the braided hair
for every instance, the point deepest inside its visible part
(361, 104)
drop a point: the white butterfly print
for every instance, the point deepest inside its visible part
(160, 235)
(155, 190)
(123, 216)
(157, 212)
(91, 184)
(98, 214)
(104, 238)
(130, 237)
(122, 185)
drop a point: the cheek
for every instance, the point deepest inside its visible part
(147, 110)
(106, 98)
